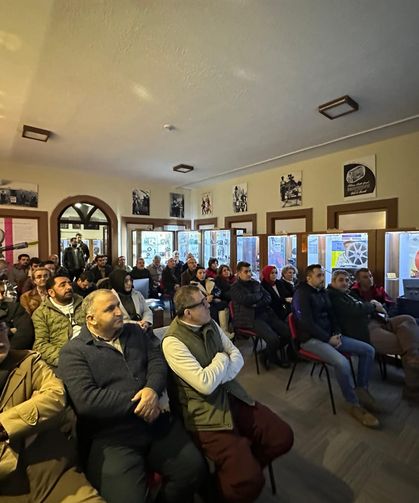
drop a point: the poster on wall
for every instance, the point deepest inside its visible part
(291, 189)
(18, 230)
(177, 205)
(359, 179)
(18, 193)
(240, 198)
(206, 203)
(140, 202)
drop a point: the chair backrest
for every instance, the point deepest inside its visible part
(291, 324)
(159, 332)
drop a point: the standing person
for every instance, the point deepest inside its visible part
(251, 303)
(319, 333)
(37, 461)
(73, 259)
(239, 435)
(83, 247)
(270, 284)
(133, 305)
(32, 299)
(211, 271)
(115, 374)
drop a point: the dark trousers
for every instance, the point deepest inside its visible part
(118, 469)
(259, 436)
(273, 331)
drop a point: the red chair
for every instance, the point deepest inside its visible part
(247, 333)
(311, 357)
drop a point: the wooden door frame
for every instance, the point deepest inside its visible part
(42, 217)
(390, 206)
(205, 221)
(104, 207)
(273, 216)
(251, 217)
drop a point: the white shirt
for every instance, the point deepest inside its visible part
(68, 311)
(223, 368)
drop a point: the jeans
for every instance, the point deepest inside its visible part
(340, 363)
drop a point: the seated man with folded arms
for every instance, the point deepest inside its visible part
(114, 374)
(319, 333)
(239, 435)
(368, 322)
(37, 461)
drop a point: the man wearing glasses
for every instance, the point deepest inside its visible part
(318, 332)
(239, 435)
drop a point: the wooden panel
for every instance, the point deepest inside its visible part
(272, 216)
(242, 218)
(205, 221)
(388, 205)
(156, 222)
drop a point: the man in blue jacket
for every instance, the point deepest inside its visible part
(114, 374)
(319, 333)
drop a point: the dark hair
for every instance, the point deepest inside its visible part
(211, 261)
(51, 280)
(78, 234)
(362, 269)
(199, 268)
(86, 275)
(223, 266)
(309, 270)
(100, 255)
(34, 260)
(22, 255)
(183, 298)
(340, 272)
(72, 239)
(45, 262)
(241, 265)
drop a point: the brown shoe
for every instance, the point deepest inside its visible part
(367, 400)
(364, 417)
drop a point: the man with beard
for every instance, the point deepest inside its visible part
(58, 319)
(73, 259)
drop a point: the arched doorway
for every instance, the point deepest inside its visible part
(89, 216)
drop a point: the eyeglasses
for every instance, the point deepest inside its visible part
(201, 303)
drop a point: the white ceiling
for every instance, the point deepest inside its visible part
(240, 79)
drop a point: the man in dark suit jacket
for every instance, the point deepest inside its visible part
(115, 374)
(73, 259)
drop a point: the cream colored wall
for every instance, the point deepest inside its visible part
(397, 169)
(56, 185)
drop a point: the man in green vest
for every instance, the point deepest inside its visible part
(239, 435)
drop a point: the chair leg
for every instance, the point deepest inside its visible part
(255, 350)
(352, 370)
(330, 389)
(321, 371)
(291, 375)
(272, 478)
(312, 369)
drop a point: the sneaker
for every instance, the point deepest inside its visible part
(367, 400)
(363, 416)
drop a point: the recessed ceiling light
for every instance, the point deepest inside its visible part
(169, 127)
(35, 133)
(338, 107)
(183, 168)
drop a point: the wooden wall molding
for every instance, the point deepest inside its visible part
(205, 221)
(156, 222)
(390, 206)
(252, 217)
(272, 216)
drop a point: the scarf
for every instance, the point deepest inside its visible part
(266, 274)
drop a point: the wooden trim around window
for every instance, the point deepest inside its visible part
(205, 221)
(390, 206)
(228, 221)
(42, 217)
(104, 207)
(156, 222)
(273, 216)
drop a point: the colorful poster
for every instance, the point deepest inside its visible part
(18, 230)
(349, 250)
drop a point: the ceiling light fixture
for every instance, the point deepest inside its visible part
(35, 133)
(183, 168)
(338, 107)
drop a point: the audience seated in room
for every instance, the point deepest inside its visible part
(251, 305)
(211, 270)
(32, 299)
(241, 436)
(121, 423)
(365, 288)
(178, 265)
(28, 284)
(319, 333)
(224, 280)
(37, 461)
(286, 284)
(19, 271)
(18, 321)
(58, 319)
(139, 271)
(156, 271)
(121, 263)
(84, 285)
(101, 269)
(189, 273)
(169, 280)
(271, 284)
(133, 305)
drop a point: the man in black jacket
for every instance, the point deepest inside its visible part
(251, 310)
(368, 322)
(73, 259)
(319, 333)
(114, 374)
(21, 331)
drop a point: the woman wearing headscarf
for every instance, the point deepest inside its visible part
(132, 303)
(270, 284)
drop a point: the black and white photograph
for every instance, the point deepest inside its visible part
(240, 198)
(291, 189)
(177, 205)
(359, 178)
(206, 203)
(18, 194)
(140, 202)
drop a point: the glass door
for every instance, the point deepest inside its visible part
(248, 250)
(282, 250)
(189, 242)
(217, 244)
